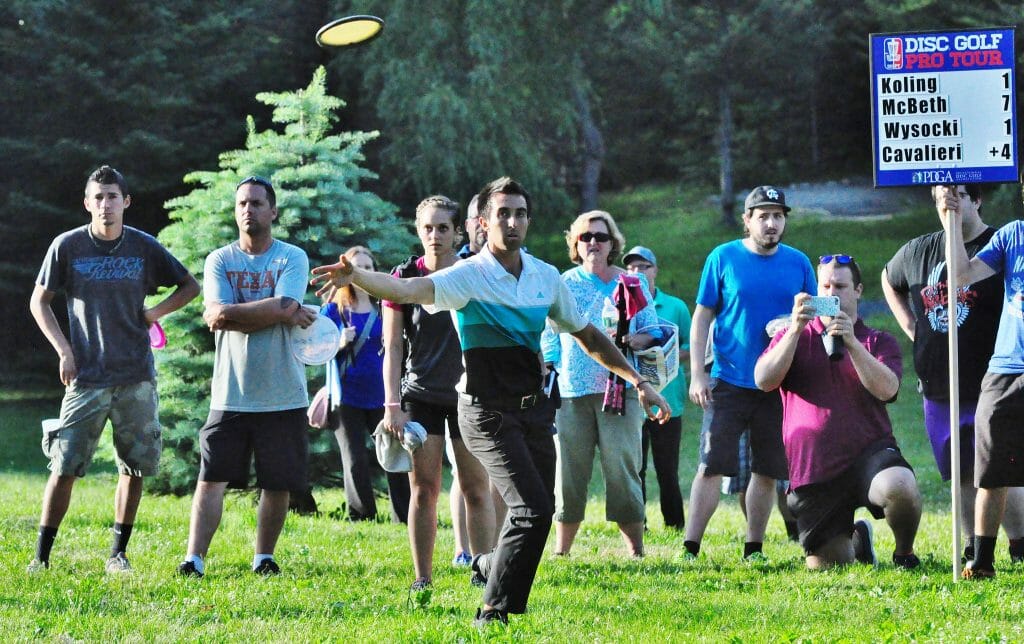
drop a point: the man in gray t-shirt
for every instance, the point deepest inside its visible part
(252, 291)
(106, 270)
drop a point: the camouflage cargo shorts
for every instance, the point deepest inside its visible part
(132, 411)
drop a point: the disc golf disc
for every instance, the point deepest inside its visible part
(157, 337)
(351, 30)
(317, 343)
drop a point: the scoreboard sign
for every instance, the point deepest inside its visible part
(943, 107)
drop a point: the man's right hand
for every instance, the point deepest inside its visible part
(802, 314)
(947, 203)
(700, 389)
(332, 277)
(68, 369)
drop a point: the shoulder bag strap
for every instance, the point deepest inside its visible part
(361, 340)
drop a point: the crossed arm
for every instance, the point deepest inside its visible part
(599, 347)
(250, 317)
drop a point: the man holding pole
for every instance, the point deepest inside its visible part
(999, 443)
(914, 283)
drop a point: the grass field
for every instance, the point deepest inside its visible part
(347, 581)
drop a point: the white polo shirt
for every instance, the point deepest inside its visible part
(499, 320)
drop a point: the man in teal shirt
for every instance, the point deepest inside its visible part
(665, 438)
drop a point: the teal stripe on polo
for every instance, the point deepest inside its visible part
(489, 325)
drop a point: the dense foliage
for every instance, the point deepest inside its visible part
(568, 96)
(317, 175)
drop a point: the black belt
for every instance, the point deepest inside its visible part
(503, 403)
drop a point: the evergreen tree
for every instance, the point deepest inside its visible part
(321, 208)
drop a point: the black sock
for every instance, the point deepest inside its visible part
(1017, 548)
(45, 543)
(969, 550)
(122, 533)
(751, 547)
(984, 552)
(692, 547)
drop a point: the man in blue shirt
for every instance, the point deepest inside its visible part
(998, 441)
(745, 284)
(475, 233)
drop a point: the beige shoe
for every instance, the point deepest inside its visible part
(37, 566)
(118, 564)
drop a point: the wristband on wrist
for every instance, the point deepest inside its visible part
(642, 381)
(392, 404)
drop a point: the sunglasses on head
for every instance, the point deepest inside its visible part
(838, 259)
(258, 180)
(586, 238)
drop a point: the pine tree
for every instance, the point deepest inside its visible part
(321, 208)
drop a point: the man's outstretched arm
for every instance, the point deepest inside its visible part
(412, 290)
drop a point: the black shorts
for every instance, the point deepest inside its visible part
(230, 440)
(825, 510)
(998, 434)
(733, 411)
(434, 417)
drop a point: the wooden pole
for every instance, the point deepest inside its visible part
(952, 297)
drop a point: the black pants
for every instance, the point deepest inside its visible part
(518, 451)
(351, 427)
(663, 441)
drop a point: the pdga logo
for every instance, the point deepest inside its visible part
(933, 177)
(893, 53)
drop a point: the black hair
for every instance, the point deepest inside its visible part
(257, 180)
(502, 185)
(106, 175)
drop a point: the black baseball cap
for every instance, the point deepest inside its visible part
(766, 196)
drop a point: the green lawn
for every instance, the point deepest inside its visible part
(349, 581)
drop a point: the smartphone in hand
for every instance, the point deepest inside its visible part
(824, 305)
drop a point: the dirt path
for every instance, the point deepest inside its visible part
(851, 198)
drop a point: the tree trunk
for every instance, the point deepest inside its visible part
(593, 151)
(725, 156)
(815, 143)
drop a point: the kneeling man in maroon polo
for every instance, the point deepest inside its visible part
(836, 375)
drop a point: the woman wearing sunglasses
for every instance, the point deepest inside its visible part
(595, 244)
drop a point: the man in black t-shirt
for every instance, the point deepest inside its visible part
(914, 282)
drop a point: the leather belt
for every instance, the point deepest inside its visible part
(503, 403)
